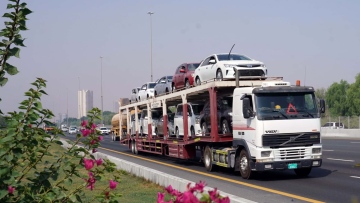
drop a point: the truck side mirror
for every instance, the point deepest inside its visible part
(246, 108)
(322, 106)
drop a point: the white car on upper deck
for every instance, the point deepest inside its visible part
(146, 91)
(221, 67)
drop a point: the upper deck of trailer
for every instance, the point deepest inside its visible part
(199, 92)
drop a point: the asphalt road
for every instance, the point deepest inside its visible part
(338, 180)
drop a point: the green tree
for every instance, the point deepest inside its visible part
(336, 98)
(353, 96)
(320, 93)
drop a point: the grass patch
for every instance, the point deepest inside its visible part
(132, 188)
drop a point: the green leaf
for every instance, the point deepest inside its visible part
(25, 11)
(15, 52)
(9, 157)
(4, 171)
(38, 105)
(3, 81)
(6, 139)
(19, 42)
(8, 15)
(9, 6)
(10, 69)
(3, 193)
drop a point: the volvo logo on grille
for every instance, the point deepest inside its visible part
(249, 66)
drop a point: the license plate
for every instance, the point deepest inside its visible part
(292, 166)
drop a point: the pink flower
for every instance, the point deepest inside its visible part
(224, 200)
(92, 142)
(93, 126)
(113, 184)
(200, 186)
(89, 163)
(94, 150)
(189, 197)
(160, 198)
(172, 191)
(83, 123)
(214, 195)
(85, 132)
(91, 181)
(11, 189)
(99, 162)
(101, 138)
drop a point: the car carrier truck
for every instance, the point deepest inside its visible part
(275, 126)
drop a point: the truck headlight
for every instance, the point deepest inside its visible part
(316, 150)
(265, 153)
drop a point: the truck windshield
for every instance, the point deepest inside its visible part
(294, 105)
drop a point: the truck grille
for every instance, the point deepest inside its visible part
(292, 153)
(290, 139)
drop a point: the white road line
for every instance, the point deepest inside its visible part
(354, 177)
(341, 160)
(328, 150)
(355, 142)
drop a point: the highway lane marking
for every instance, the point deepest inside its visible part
(354, 177)
(354, 142)
(328, 150)
(220, 178)
(341, 160)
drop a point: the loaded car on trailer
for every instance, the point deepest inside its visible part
(275, 126)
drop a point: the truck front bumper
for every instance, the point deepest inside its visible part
(283, 165)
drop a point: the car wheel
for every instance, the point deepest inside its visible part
(156, 132)
(155, 94)
(245, 170)
(302, 172)
(187, 84)
(168, 132)
(208, 159)
(197, 81)
(192, 132)
(204, 129)
(225, 127)
(172, 87)
(147, 96)
(139, 99)
(219, 75)
(141, 131)
(177, 134)
(166, 90)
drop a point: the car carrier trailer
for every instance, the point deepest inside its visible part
(268, 131)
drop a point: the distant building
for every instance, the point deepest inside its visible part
(85, 102)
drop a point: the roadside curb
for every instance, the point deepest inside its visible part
(158, 177)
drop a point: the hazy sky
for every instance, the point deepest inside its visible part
(315, 41)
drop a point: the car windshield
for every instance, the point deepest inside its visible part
(193, 66)
(151, 85)
(277, 106)
(169, 78)
(232, 57)
(197, 108)
(103, 128)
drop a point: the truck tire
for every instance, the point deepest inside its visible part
(302, 172)
(245, 170)
(208, 159)
(225, 127)
(135, 150)
(133, 146)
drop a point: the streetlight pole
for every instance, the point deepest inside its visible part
(150, 13)
(80, 99)
(67, 107)
(102, 112)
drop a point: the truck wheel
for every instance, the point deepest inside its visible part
(245, 170)
(208, 159)
(204, 129)
(133, 146)
(187, 84)
(177, 134)
(225, 127)
(219, 75)
(302, 172)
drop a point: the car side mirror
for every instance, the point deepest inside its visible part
(247, 112)
(212, 61)
(182, 70)
(322, 106)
